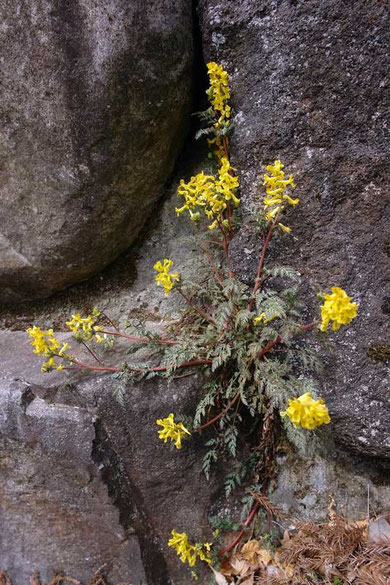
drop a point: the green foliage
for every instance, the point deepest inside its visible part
(238, 381)
(223, 524)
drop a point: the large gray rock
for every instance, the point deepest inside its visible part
(85, 480)
(117, 478)
(309, 86)
(95, 102)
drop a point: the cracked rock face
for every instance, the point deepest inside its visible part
(95, 102)
(55, 511)
(309, 86)
(85, 480)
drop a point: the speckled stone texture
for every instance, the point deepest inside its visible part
(96, 97)
(310, 85)
(85, 480)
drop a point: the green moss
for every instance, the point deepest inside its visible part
(379, 353)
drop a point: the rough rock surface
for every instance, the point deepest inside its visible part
(95, 102)
(309, 86)
(85, 480)
(133, 488)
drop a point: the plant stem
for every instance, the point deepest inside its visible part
(226, 248)
(271, 344)
(240, 534)
(196, 308)
(226, 147)
(220, 415)
(261, 263)
(209, 258)
(93, 354)
(110, 321)
(104, 368)
(140, 339)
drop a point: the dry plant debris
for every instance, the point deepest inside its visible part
(98, 578)
(334, 553)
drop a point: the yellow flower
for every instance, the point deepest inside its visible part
(186, 551)
(83, 327)
(63, 349)
(263, 319)
(275, 186)
(212, 194)
(164, 278)
(172, 430)
(219, 151)
(306, 412)
(338, 308)
(204, 552)
(260, 319)
(189, 552)
(49, 365)
(218, 92)
(46, 344)
(284, 228)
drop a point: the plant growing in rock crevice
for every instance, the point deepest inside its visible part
(247, 340)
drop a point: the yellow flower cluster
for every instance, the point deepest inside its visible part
(84, 328)
(263, 319)
(188, 552)
(337, 308)
(172, 430)
(212, 194)
(165, 278)
(306, 412)
(219, 94)
(275, 186)
(46, 344)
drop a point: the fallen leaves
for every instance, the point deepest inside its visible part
(351, 553)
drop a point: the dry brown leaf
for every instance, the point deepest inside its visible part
(265, 556)
(35, 578)
(59, 579)
(240, 567)
(379, 530)
(226, 568)
(250, 550)
(4, 579)
(219, 578)
(248, 581)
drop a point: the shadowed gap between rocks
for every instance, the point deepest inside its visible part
(125, 496)
(128, 501)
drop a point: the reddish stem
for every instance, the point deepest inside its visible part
(140, 339)
(110, 321)
(240, 534)
(140, 371)
(93, 354)
(226, 149)
(196, 308)
(271, 344)
(220, 415)
(211, 261)
(261, 264)
(226, 247)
